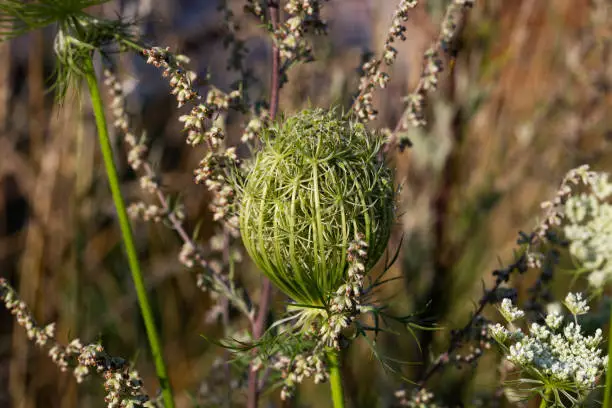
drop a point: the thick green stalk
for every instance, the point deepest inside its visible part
(128, 240)
(544, 402)
(335, 380)
(608, 390)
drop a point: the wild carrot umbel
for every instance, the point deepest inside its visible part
(317, 185)
(557, 361)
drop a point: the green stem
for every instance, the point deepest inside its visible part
(126, 231)
(335, 380)
(544, 402)
(131, 44)
(608, 390)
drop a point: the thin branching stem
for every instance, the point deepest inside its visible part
(275, 79)
(459, 336)
(219, 282)
(450, 29)
(259, 323)
(126, 231)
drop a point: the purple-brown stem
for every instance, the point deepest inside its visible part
(273, 7)
(258, 329)
(225, 318)
(259, 324)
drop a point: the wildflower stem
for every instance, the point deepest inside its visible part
(275, 79)
(128, 240)
(335, 380)
(544, 402)
(259, 323)
(131, 44)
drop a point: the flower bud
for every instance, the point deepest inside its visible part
(317, 182)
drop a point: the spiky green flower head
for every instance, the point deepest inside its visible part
(317, 182)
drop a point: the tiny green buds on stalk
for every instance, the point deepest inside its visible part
(317, 182)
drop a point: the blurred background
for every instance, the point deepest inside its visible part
(527, 99)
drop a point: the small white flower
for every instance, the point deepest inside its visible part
(510, 312)
(499, 333)
(575, 304)
(554, 320)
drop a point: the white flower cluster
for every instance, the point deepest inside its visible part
(254, 6)
(123, 385)
(254, 127)
(212, 172)
(189, 255)
(147, 212)
(556, 356)
(588, 228)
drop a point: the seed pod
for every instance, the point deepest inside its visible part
(316, 183)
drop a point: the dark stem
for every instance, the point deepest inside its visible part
(258, 329)
(275, 79)
(259, 325)
(225, 318)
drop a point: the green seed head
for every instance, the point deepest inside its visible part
(317, 182)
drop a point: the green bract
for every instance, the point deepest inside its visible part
(78, 33)
(316, 183)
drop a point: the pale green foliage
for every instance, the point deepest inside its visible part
(316, 183)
